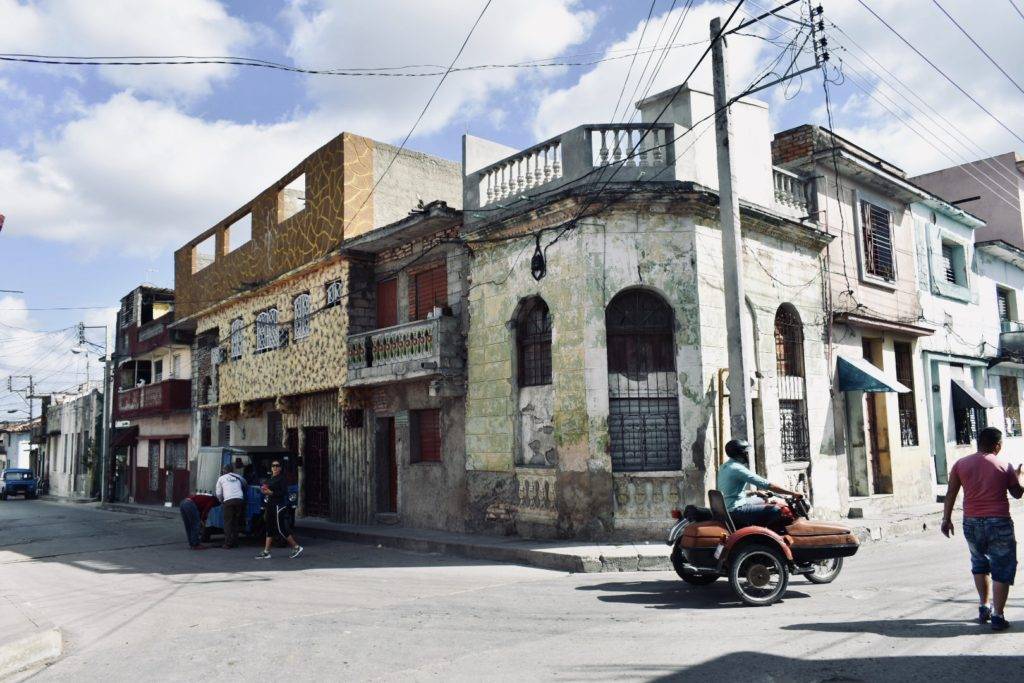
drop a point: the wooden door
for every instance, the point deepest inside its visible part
(386, 466)
(387, 303)
(316, 488)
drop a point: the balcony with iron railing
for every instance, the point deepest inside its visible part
(168, 396)
(414, 350)
(1011, 339)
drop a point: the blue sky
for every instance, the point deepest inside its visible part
(105, 171)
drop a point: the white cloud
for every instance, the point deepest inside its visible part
(388, 33)
(594, 95)
(126, 28)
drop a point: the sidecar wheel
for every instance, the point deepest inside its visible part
(759, 575)
(825, 571)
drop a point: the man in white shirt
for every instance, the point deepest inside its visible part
(231, 492)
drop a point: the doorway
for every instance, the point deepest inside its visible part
(387, 466)
(316, 489)
(877, 424)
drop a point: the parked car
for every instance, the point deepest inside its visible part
(18, 482)
(253, 463)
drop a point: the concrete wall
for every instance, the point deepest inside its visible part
(1000, 184)
(413, 177)
(73, 453)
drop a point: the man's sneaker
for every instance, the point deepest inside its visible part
(265, 555)
(999, 623)
(984, 614)
(296, 552)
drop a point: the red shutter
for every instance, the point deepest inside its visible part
(428, 424)
(387, 303)
(429, 289)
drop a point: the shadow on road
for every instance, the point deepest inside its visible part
(672, 594)
(760, 667)
(900, 628)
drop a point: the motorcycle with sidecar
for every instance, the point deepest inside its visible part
(757, 560)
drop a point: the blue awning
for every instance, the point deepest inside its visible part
(859, 374)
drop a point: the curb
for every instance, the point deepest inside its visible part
(166, 513)
(39, 648)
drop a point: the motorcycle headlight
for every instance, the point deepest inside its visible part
(293, 498)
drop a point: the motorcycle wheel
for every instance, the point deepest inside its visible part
(686, 575)
(759, 575)
(825, 571)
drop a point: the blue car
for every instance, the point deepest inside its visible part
(18, 482)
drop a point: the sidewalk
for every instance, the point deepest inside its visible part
(566, 556)
(26, 639)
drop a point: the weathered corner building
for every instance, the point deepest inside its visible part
(273, 297)
(596, 399)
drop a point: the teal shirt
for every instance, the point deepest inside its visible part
(733, 477)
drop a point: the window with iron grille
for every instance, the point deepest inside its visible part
(237, 338)
(427, 289)
(267, 335)
(643, 412)
(1011, 405)
(205, 428)
(223, 433)
(334, 294)
(967, 422)
(876, 230)
(275, 433)
(789, 343)
(796, 445)
(176, 454)
(425, 435)
(301, 311)
(533, 335)
(907, 402)
(1003, 303)
(154, 465)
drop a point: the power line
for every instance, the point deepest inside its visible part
(980, 48)
(426, 106)
(940, 71)
(1017, 9)
(629, 71)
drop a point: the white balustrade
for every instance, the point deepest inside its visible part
(790, 190)
(640, 145)
(532, 168)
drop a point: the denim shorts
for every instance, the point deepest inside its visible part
(993, 547)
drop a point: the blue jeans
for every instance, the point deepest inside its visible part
(190, 516)
(754, 514)
(993, 547)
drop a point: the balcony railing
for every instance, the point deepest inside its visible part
(641, 150)
(422, 348)
(1011, 326)
(791, 192)
(154, 399)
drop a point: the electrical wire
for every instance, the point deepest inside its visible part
(629, 71)
(940, 71)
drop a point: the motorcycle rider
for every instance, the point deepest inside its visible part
(734, 475)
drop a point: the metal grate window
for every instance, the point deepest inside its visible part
(267, 335)
(947, 263)
(1011, 405)
(176, 454)
(1003, 303)
(796, 445)
(301, 310)
(333, 294)
(643, 419)
(907, 402)
(154, 465)
(877, 235)
(534, 339)
(967, 422)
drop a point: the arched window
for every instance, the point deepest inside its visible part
(789, 343)
(267, 335)
(789, 365)
(533, 336)
(643, 411)
(237, 338)
(301, 312)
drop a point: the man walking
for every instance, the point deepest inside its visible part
(986, 478)
(276, 514)
(194, 510)
(231, 492)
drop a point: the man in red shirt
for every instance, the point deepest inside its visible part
(986, 478)
(194, 510)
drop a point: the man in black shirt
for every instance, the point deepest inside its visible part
(275, 512)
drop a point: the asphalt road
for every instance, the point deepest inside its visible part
(135, 604)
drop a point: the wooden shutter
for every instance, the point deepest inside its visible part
(426, 435)
(1003, 299)
(878, 256)
(387, 303)
(947, 263)
(428, 288)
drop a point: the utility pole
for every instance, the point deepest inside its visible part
(732, 244)
(107, 399)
